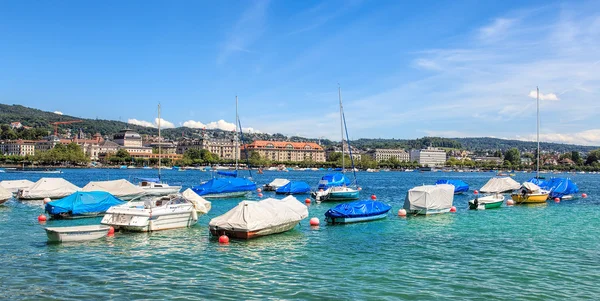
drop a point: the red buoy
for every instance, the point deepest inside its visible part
(359, 188)
(557, 200)
(402, 212)
(314, 221)
(584, 195)
(42, 218)
(258, 190)
(373, 197)
(111, 231)
(510, 202)
(307, 201)
(260, 195)
(223, 239)
(475, 192)
(452, 209)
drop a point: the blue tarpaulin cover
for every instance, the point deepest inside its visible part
(227, 173)
(80, 203)
(222, 185)
(362, 208)
(459, 185)
(558, 187)
(333, 179)
(294, 187)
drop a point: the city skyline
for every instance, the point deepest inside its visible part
(407, 70)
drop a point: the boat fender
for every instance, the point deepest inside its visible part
(194, 215)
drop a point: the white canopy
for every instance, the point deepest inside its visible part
(495, 185)
(429, 197)
(14, 185)
(255, 216)
(5, 194)
(53, 188)
(201, 205)
(279, 182)
(119, 188)
(531, 187)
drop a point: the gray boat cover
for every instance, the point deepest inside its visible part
(200, 204)
(495, 185)
(53, 188)
(5, 194)
(118, 188)
(253, 216)
(14, 185)
(428, 197)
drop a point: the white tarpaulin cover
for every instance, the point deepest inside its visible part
(4, 194)
(495, 185)
(279, 182)
(201, 205)
(119, 188)
(53, 188)
(531, 187)
(14, 185)
(253, 216)
(429, 197)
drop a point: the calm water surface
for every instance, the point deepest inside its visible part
(547, 252)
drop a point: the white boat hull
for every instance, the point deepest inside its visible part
(429, 211)
(77, 233)
(130, 217)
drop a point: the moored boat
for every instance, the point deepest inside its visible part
(359, 211)
(15, 185)
(250, 219)
(293, 187)
(459, 185)
(53, 188)
(500, 185)
(487, 202)
(82, 204)
(530, 194)
(429, 199)
(76, 233)
(225, 188)
(154, 187)
(275, 184)
(121, 189)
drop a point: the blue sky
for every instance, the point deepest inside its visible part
(407, 69)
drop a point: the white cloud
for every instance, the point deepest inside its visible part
(219, 125)
(58, 112)
(164, 124)
(549, 96)
(587, 137)
(498, 28)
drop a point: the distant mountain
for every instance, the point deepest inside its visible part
(42, 119)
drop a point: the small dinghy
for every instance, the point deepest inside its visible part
(486, 202)
(76, 233)
(359, 211)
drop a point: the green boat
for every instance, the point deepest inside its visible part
(486, 202)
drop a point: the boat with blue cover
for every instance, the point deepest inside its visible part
(459, 185)
(294, 187)
(82, 204)
(562, 188)
(335, 187)
(358, 211)
(225, 188)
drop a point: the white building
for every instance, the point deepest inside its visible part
(430, 156)
(383, 154)
(18, 147)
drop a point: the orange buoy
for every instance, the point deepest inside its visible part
(373, 197)
(452, 209)
(510, 202)
(260, 195)
(47, 200)
(314, 221)
(402, 212)
(557, 200)
(475, 192)
(223, 239)
(111, 231)
(42, 218)
(307, 201)
(584, 195)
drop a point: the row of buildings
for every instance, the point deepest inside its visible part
(99, 148)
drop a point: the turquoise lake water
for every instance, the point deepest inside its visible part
(548, 252)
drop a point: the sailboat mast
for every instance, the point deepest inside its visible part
(159, 144)
(235, 137)
(341, 126)
(537, 171)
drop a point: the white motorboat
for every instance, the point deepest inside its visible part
(76, 233)
(169, 212)
(153, 187)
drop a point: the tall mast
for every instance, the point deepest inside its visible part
(341, 125)
(537, 171)
(159, 147)
(235, 137)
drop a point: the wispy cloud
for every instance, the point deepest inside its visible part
(248, 28)
(498, 28)
(163, 123)
(220, 125)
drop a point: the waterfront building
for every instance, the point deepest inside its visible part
(224, 148)
(429, 157)
(283, 151)
(132, 142)
(18, 147)
(383, 154)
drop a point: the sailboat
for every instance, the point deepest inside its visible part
(343, 191)
(529, 192)
(228, 187)
(155, 186)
